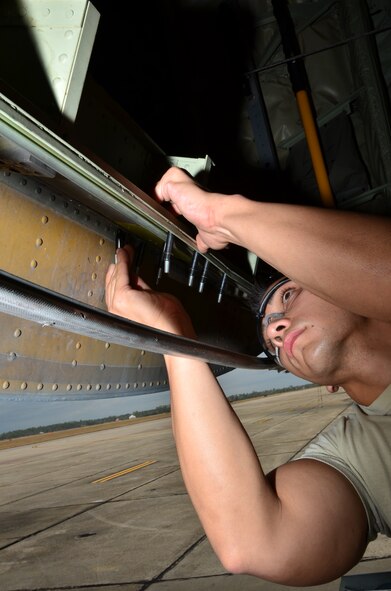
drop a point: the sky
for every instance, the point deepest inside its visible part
(22, 414)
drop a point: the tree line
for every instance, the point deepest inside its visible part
(136, 414)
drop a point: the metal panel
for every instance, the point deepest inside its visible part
(61, 34)
(59, 245)
(60, 216)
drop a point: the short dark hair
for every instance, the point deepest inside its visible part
(265, 275)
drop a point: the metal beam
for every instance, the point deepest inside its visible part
(49, 309)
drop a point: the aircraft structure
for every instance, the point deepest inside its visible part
(77, 171)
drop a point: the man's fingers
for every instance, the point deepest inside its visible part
(121, 271)
(165, 190)
(201, 245)
(170, 178)
(117, 276)
(141, 284)
(109, 274)
(176, 208)
(125, 255)
(128, 251)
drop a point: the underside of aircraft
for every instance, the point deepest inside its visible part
(278, 101)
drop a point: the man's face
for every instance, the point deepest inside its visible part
(309, 333)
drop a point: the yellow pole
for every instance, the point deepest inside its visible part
(315, 149)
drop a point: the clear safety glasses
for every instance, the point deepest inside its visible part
(263, 321)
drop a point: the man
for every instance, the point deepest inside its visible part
(308, 521)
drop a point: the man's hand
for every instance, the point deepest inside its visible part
(199, 207)
(129, 296)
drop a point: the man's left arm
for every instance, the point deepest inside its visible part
(303, 525)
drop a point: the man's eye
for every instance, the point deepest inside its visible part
(287, 295)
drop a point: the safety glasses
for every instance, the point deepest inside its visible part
(263, 321)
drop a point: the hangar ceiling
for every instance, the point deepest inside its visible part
(181, 69)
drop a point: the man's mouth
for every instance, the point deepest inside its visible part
(290, 340)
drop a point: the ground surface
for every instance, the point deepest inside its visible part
(70, 520)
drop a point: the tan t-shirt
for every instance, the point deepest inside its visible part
(358, 444)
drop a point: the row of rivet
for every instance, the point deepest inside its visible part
(78, 345)
(88, 387)
(80, 212)
(12, 355)
(39, 243)
(42, 11)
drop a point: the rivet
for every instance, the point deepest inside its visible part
(52, 197)
(94, 276)
(90, 293)
(97, 387)
(102, 366)
(98, 259)
(69, 387)
(34, 264)
(38, 242)
(108, 387)
(78, 345)
(62, 58)
(45, 11)
(38, 190)
(74, 362)
(151, 383)
(139, 366)
(23, 385)
(118, 386)
(79, 387)
(143, 384)
(39, 386)
(135, 385)
(17, 332)
(69, 13)
(101, 241)
(89, 387)
(44, 219)
(23, 182)
(142, 352)
(54, 387)
(68, 34)
(11, 356)
(127, 386)
(107, 345)
(6, 385)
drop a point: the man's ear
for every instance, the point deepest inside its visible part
(332, 389)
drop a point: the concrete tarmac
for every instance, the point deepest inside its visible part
(70, 520)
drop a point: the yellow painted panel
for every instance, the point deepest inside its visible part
(64, 253)
(45, 247)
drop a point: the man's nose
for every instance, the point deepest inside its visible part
(276, 329)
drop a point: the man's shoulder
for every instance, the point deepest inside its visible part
(380, 406)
